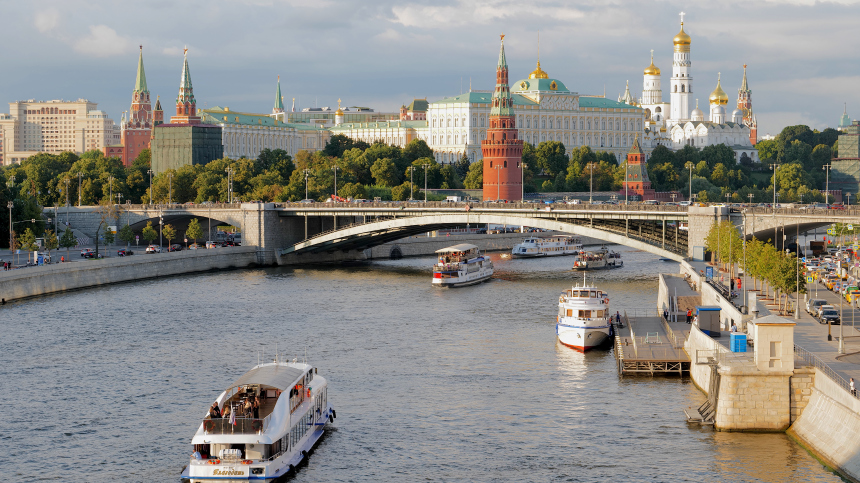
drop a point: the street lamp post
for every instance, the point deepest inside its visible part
(848, 197)
(591, 184)
(150, 186)
(774, 167)
(307, 173)
(170, 188)
(335, 168)
(826, 168)
(80, 188)
(426, 165)
(9, 205)
(110, 191)
(689, 166)
(750, 196)
(411, 183)
(67, 200)
(229, 171)
(673, 195)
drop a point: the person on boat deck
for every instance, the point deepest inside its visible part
(214, 412)
(256, 406)
(248, 408)
(226, 412)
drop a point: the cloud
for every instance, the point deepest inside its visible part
(102, 41)
(470, 13)
(173, 51)
(47, 20)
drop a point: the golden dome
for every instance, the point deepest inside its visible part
(682, 41)
(339, 111)
(719, 96)
(652, 69)
(538, 73)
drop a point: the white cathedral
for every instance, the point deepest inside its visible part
(674, 125)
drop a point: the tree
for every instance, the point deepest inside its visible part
(551, 157)
(126, 234)
(416, 149)
(27, 242)
(401, 192)
(51, 242)
(385, 172)
(352, 190)
(168, 232)
(194, 231)
(462, 167)
(475, 179)
(68, 240)
(149, 233)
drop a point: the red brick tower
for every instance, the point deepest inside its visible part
(637, 181)
(502, 151)
(745, 105)
(137, 128)
(186, 105)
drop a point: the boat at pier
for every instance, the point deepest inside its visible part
(241, 442)
(547, 246)
(601, 259)
(461, 265)
(583, 320)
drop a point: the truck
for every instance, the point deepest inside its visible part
(816, 248)
(454, 199)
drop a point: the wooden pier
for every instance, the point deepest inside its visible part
(650, 345)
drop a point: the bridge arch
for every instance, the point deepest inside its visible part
(375, 233)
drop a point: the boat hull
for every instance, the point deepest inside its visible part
(276, 468)
(582, 338)
(465, 280)
(591, 266)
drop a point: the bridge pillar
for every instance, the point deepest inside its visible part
(701, 218)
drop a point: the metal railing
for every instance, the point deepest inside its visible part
(815, 361)
(241, 426)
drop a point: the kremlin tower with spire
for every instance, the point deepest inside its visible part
(186, 140)
(502, 150)
(137, 125)
(745, 105)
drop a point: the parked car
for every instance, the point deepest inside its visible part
(307, 201)
(123, 252)
(153, 249)
(193, 246)
(176, 247)
(87, 253)
(212, 244)
(822, 308)
(813, 304)
(829, 315)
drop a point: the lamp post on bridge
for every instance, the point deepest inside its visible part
(307, 173)
(411, 183)
(150, 188)
(591, 183)
(826, 168)
(229, 171)
(426, 165)
(110, 190)
(774, 167)
(170, 188)
(9, 205)
(67, 180)
(689, 166)
(335, 168)
(80, 187)
(750, 196)
(673, 195)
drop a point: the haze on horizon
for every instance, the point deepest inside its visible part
(384, 53)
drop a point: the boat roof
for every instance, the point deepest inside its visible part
(279, 376)
(463, 247)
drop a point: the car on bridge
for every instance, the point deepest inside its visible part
(87, 253)
(124, 252)
(153, 249)
(176, 247)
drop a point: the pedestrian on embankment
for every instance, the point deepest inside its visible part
(851, 385)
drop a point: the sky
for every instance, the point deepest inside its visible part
(801, 55)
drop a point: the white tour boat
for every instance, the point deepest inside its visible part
(583, 321)
(461, 265)
(293, 410)
(547, 246)
(601, 259)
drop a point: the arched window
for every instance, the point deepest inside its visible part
(550, 123)
(566, 124)
(617, 125)
(682, 87)
(580, 127)
(528, 123)
(543, 123)
(506, 164)
(676, 88)
(482, 121)
(455, 122)
(491, 164)
(589, 124)
(603, 124)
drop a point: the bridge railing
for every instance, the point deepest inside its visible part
(458, 206)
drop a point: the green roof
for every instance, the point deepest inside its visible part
(380, 125)
(418, 105)
(602, 102)
(279, 99)
(140, 83)
(539, 85)
(219, 115)
(483, 98)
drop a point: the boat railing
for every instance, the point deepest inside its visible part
(237, 426)
(447, 266)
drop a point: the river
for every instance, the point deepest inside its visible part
(429, 384)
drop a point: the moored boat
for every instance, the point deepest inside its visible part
(583, 320)
(547, 246)
(265, 424)
(601, 259)
(461, 265)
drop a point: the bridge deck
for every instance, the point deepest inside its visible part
(648, 345)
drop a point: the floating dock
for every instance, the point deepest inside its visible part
(650, 345)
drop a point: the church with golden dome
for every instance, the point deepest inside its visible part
(675, 125)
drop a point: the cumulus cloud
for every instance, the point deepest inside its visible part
(102, 41)
(47, 20)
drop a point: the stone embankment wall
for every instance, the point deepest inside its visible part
(417, 246)
(60, 277)
(753, 400)
(802, 383)
(829, 426)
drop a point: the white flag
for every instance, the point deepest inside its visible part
(232, 417)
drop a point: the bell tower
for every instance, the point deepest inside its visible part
(502, 150)
(186, 105)
(682, 82)
(137, 127)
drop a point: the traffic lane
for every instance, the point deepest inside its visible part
(849, 311)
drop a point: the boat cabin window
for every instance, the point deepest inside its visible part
(583, 293)
(593, 293)
(570, 312)
(585, 314)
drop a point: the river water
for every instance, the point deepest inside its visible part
(429, 384)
